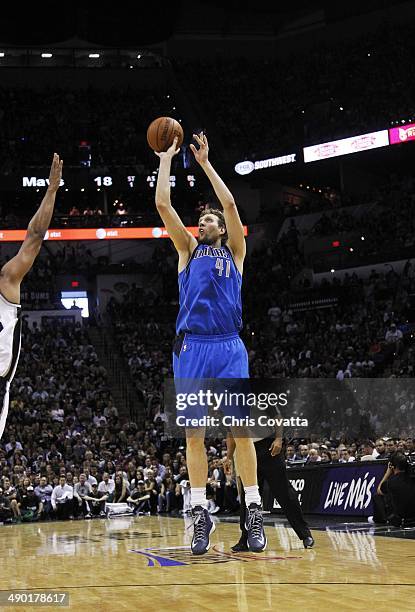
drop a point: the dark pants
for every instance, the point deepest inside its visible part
(65, 510)
(273, 471)
(96, 507)
(142, 506)
(383, 512)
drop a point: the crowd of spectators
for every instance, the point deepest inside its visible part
(316, 95)
(298, 453)
(381, 221)
(108, 125)
(67, 452)
(388, 217)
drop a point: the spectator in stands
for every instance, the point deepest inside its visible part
(107, 486)
(62, 500)
(95, 501)
(290, 452)
(152, 489)
(303, 449)
(80, 491)
(5, 510)
(325, 456)
(394, 336)
(120, 490)
(391, 447)
(30, 505)
(313, 456)
(44, 493)
(380, 449)
(10, 493)
(166, 499)
(139, 499)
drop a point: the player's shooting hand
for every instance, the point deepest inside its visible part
(55, 174)
(276, 447)
(171, 151)
(201, 154)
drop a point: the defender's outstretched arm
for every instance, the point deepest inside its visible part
(14, 270)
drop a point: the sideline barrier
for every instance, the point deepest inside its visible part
(333, 489)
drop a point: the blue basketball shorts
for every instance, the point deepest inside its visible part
(207, 363)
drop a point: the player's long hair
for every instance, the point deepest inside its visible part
(221, 221)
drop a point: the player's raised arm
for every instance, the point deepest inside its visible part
(14, 270)
(183, 240)
(234, 227)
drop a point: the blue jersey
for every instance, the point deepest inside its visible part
(210, 293)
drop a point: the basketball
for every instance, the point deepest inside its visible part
(161, 133)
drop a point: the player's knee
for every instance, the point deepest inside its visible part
(243, 442)
(195, 443)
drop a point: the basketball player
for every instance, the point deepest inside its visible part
(11, 275)
(208, 324)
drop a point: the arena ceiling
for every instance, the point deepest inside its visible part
(128, 23)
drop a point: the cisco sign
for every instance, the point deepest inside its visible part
(246, 167)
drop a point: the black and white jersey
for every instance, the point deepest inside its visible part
(10, 340)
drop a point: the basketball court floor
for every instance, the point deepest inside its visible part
(145, 564)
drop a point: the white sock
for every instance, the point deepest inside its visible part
(198, 497)
(252, 495)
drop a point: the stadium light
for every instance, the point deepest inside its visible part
(139, 56)
(1, 54)
(46, 55)
(94, 55)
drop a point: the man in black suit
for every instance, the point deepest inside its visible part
(271, 468)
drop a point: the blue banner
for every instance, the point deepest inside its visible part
(339, 489)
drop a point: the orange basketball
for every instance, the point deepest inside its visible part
(161, 133)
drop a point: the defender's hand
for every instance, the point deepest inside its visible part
(201, 154)
(55, 174)
(171, 151)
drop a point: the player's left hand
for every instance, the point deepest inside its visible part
(276, 447)
(55, 174)
(201, 154)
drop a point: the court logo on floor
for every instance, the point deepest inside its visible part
(173, 556)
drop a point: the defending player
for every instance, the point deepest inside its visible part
(11, 276)
(208, 324)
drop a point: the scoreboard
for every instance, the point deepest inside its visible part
(86, 179)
